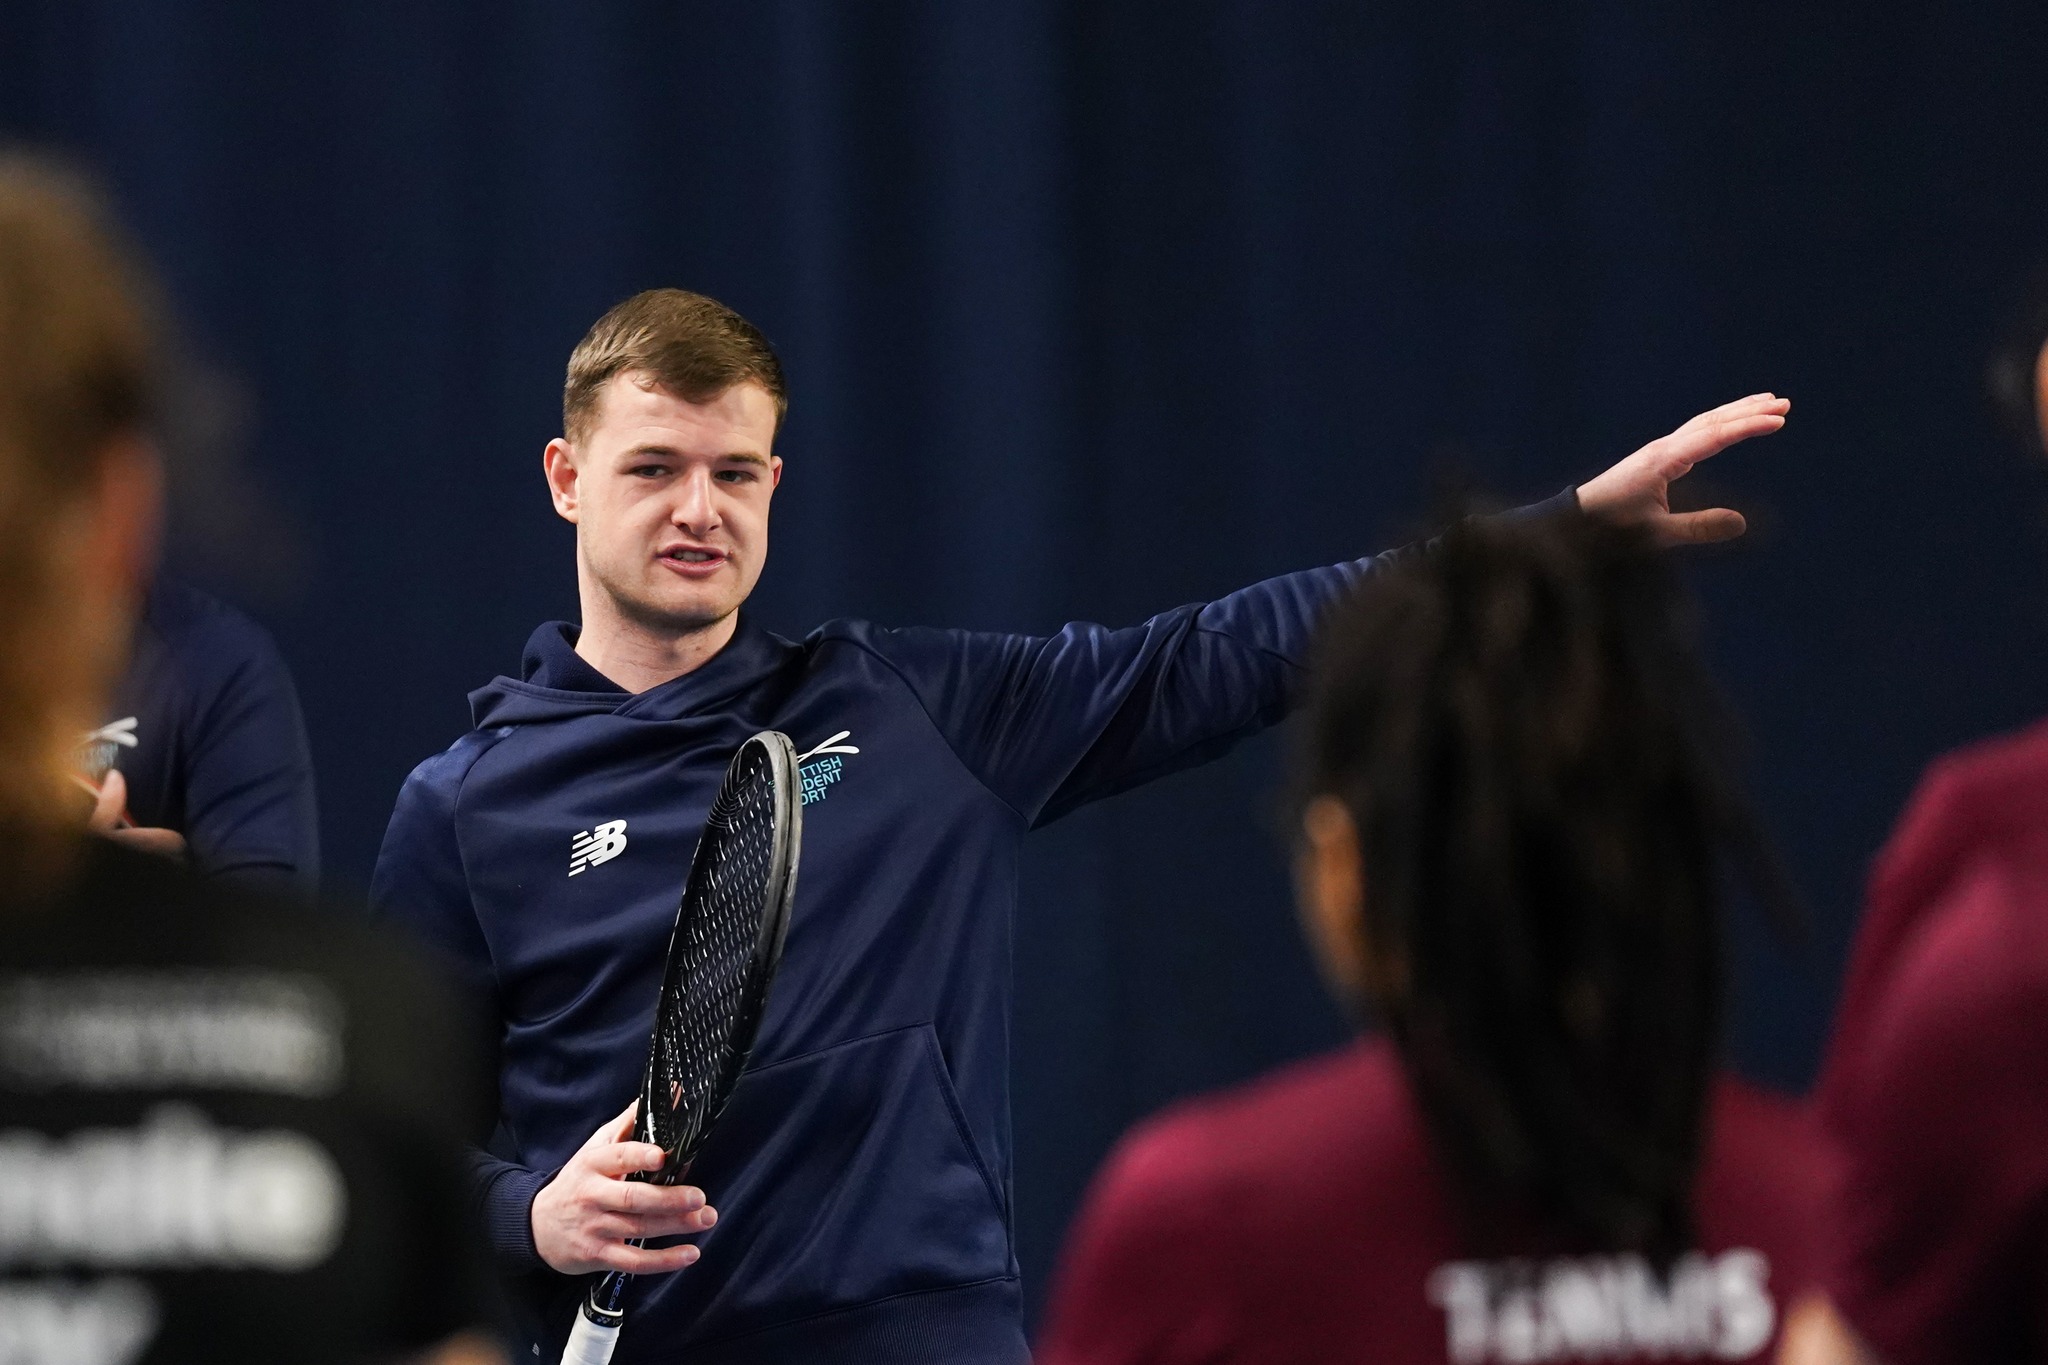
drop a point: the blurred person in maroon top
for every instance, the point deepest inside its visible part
(1935, 1088)
(1516, 814)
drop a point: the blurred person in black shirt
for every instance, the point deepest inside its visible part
(227, 1134)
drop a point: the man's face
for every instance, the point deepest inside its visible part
(670, 500)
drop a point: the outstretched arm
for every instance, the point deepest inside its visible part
(1049, 723)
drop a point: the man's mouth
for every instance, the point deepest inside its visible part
(692, 561)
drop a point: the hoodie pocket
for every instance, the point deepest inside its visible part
(840, 1177)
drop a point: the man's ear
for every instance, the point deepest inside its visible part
(1330, 884)
(559, 463)
(775, 471)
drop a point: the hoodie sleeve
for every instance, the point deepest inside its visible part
(420, 885)
(1049, 723)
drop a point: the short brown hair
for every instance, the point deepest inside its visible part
(78, 346)
(689, 345)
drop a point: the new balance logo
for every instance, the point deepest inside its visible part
(597, 845)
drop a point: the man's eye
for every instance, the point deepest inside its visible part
(736, 475)
(648, 471)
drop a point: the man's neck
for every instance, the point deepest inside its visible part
(638, 657)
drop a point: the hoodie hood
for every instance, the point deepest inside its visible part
(556, 683)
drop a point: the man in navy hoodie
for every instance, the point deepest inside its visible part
(862, 1172)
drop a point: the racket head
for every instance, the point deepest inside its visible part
(723, 951)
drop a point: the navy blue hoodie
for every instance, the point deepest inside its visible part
(862, 1172)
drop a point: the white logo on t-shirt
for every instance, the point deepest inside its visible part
(101, 749)
(1590, 1307)
(830, 746)
(599, 844)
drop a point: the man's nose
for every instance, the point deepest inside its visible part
(696, 508)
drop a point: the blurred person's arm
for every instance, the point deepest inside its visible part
(1939, 1225)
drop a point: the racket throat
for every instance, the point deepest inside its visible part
(605, 1305)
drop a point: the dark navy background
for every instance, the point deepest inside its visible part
(1096, 307)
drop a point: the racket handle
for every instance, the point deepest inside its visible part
(590, 1341)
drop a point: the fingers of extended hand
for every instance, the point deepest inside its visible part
(1701, 528)
(1741, 410)
(1746, 407)
(1686, 447)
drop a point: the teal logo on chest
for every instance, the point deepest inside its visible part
(819, 769)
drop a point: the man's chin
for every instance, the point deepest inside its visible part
(676, 618)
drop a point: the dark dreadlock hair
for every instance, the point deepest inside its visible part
(1536, 761)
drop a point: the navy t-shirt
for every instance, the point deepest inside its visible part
(206, 729)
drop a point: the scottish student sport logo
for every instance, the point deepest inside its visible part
(820, 769)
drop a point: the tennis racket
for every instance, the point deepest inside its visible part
(721, 958)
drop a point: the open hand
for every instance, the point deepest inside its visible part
(1637, 491)
(583, 1218)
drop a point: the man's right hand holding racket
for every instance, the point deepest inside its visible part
(583, 1218)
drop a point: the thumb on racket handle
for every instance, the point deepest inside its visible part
(590, 1342)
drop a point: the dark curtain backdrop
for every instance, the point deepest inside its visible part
(1092, 309)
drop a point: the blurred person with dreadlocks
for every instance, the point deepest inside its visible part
(1515, 816)
(1935, 1087)
(227, 1134)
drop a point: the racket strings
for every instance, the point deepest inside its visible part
(703, 999)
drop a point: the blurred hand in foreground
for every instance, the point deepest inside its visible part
(110, 818)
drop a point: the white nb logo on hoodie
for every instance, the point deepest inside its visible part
(599, 845)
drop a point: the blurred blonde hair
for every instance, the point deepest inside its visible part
(76, 358)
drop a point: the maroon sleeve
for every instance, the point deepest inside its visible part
(1938, 1098)
(1141, 1278)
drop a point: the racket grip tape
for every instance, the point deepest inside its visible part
(590, 1341)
